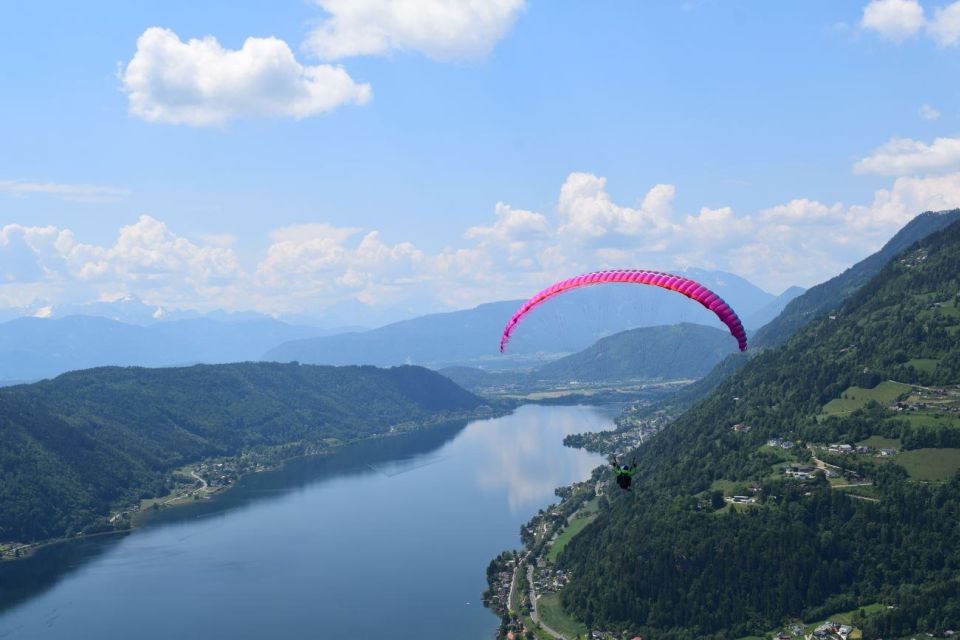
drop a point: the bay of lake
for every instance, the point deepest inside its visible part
(385, 538)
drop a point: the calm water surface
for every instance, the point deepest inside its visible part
(389, 538)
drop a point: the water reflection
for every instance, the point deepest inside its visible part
(386, 536)
(515, 459)
(25, 579)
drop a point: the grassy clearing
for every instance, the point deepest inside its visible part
(856, 397)
(879, 442)
(778, 452)
(590, 507)
(539, 633)
(949, 310)
(926, 365)
(729, 487)
(576, 526)
(557, 619)
(930, 464)
(925, 419)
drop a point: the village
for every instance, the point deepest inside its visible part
(633, 428)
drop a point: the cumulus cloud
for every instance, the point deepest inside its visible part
(440, 29)
(311, 267)
(74, 192)
(928, 113)
(306, 261)
(903, 156)
(898, 20)
(945, 26)
(894, 20)
(199, 82)
(146, 258)
(588, 214)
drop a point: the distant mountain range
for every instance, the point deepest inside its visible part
(34, 348)
(128, 332)
(130, 309)
(568, 324)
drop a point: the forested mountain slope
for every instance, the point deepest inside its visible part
(663, 560)
(831, 294)
(811, 304)
(73, 446)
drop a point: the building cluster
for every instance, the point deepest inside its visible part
(500, 588)
(830, 630)
(550, 580)
(799, 471)
(848, 449)
(611, 635)
(781, 443)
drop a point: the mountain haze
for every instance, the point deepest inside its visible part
(34, 348)
(567, 324)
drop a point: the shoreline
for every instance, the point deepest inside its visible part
(135, 517)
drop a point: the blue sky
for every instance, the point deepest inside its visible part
(788, 140)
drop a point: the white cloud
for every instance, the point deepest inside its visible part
(146, 258)
(909, 196)
(802, 212)
(198, 82)
(587, 213)
(945, 26)
(306, 261)
(312, 267)
(898, 20)
(928, 113)
(894, 20)
(439, 29)
(903, 156)
(74, 192)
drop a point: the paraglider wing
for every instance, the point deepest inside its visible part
(690, 288)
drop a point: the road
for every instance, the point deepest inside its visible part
(203, 483)
(513, 585)
(823, 465)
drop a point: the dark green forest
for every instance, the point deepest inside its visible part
(75, 446)
(665, 562)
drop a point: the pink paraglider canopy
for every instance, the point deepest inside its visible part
(691, 289)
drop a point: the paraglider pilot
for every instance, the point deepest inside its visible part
(624, 473)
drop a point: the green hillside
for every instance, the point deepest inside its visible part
(72, 447)
(663, 562)
(673, 352)
(813, 303)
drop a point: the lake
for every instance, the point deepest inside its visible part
(386, 538)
